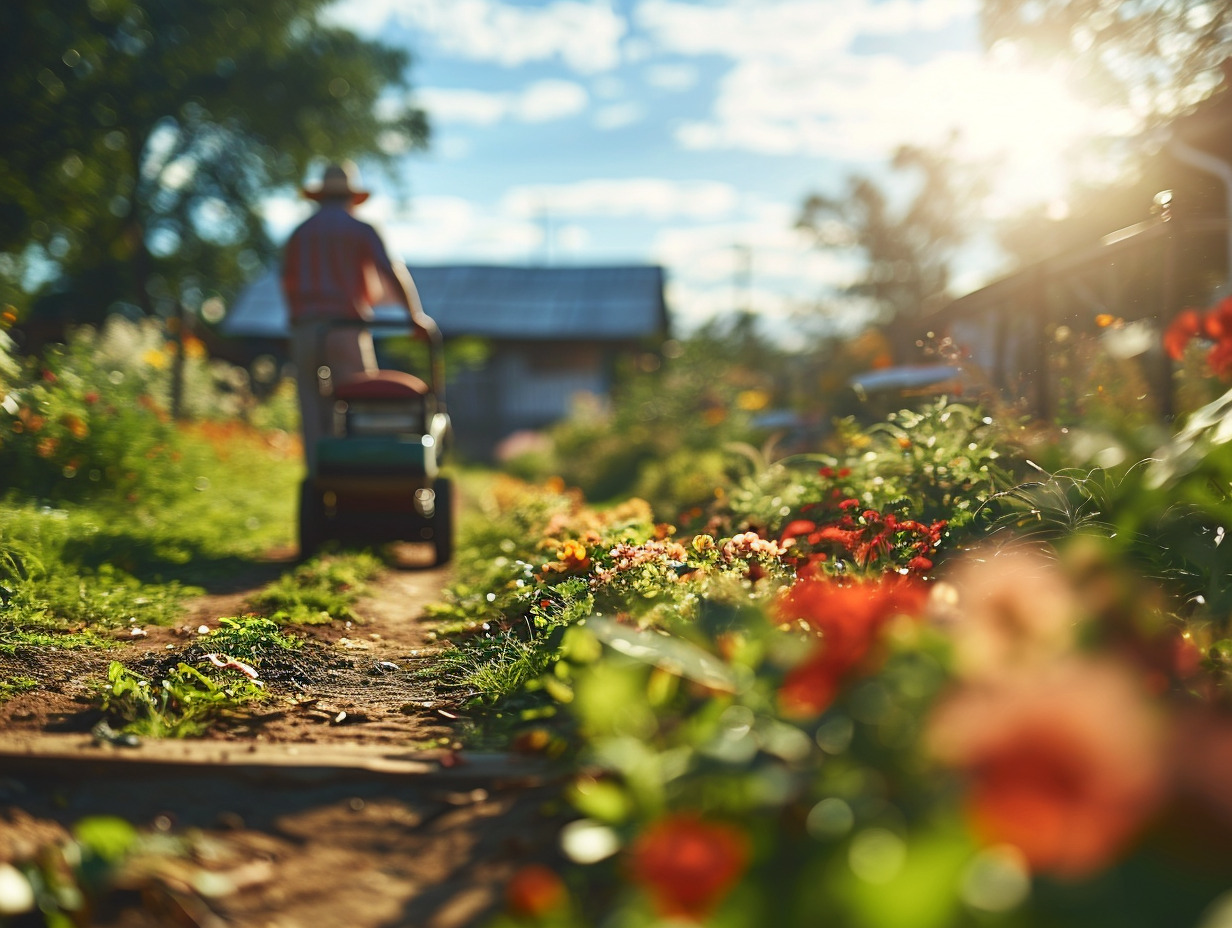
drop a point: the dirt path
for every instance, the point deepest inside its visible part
(352, 806)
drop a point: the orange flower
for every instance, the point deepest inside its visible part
(1065, 763)
(849, 618)
(76, 427)
(535, 891)
(572, 555)
(46, 447)
(687, 865)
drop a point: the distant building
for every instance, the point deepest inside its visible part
(553, 333)
(1123, 287)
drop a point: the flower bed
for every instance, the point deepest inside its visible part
(923, 683)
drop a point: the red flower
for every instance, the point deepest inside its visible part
(1218, 322)
(1064, 763)
(535, 891)
(849, 618)
(1187, 325)
(687, 865)
(1219, 358)
(797, 527)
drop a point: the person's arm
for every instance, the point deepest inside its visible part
(405, 286)
(399, 282)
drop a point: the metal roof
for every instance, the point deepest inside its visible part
(612, 303)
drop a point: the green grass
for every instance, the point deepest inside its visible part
(71, 571)
(321, 590)
(16, 685)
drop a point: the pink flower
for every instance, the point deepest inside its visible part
(1004, 608)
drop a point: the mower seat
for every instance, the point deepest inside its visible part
(382, 403)
(386, 386)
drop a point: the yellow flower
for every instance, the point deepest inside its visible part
(753, 400)
(155, 358)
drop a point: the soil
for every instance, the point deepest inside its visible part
(349, 803)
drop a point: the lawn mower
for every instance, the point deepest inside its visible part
(378, 467)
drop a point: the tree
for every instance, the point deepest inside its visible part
(141, 135)
(907, 250)
(1159, 56)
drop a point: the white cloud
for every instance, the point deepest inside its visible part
(619, 115)
(541, 101)
(799, 30)
(797, 86)
(546, 100)
(862, 108)
(452, 229)
(753, 260)
(586, 36)
(283, 213)
(648, 197)
(671, 76)
(455, 104)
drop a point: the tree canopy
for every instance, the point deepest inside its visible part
(1159, 56)
(141, 135)
(907, 249)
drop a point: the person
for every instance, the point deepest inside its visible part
(335, 266)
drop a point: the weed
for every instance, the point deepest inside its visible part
(181, 704)
(250, 638)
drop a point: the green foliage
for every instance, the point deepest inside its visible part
(89, 419)
(12, 686)
(183, 703)
(1167, 514)
(935, 463)
(112, 514)
(789, 713)
(908, 251)
(661, 437)
(320, 591)
(144, 134)
(249, 638)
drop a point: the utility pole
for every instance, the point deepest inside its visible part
(742, 279)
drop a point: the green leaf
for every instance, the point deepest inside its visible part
(107, 836)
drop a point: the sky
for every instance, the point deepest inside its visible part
(687, 133)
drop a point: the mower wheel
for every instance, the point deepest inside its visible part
(311, 519)
(442, 520)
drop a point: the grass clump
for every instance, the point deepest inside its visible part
(14, 686)
(321, 590)
(253, 639)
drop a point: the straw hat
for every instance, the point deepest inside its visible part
(339, 180)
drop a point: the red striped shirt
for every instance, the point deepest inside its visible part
(332, 266)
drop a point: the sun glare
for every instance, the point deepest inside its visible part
(1035, 130)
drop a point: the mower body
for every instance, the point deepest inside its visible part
(378, 477)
